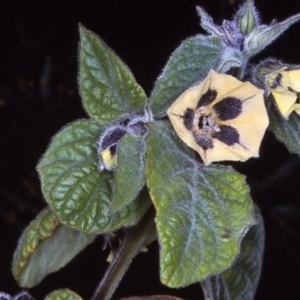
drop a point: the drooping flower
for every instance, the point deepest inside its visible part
(284, 85)
(109, 140)
(222, 118)
(108, 146)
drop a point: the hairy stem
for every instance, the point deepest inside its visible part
(134, 239)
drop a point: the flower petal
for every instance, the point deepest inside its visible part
(291, 79)
(285, 101)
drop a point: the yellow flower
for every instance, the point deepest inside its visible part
(284, 85)
(222, 118)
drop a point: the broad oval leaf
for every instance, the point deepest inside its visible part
(108, 89)
(188, 65)
(130, 174)
(286, 131)
(241, 280)
(202, 211)
(63, 294)
(45, 247)
(78, 193)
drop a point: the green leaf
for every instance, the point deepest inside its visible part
(63, 294)
(264, 35)
(241, 280)
(130, 174)
(286, 131)
(108, 89)
(189, 65)
(207, 23)
(78, 193)
(202, 211)
(44, 247)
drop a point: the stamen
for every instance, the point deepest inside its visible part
(208, 124)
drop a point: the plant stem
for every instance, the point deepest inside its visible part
(133, 240)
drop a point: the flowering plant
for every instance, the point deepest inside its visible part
(152, 167)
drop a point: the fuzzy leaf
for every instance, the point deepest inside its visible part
(63, 294)
(109, 90)
(264, 35)
(286, 131)
(130, 174)
(231, 58)
(45, 247)
(188, 65)
(78, 193)
(241, 280)
(207, 23)
(202, 211)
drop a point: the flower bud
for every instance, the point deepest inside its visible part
(247, 17)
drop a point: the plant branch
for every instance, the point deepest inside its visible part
(135, 238)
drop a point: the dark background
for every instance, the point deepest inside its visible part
(39, 95)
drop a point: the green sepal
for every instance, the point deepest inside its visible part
(44, 247)
(247, 17)
(286, 131)
(63, 294)
(130, 173)
(207, 23)
(188, 65)
(78, 193)
(108, 89)
(202, 211)
(263, 35)
(241, 280)
(231, 58)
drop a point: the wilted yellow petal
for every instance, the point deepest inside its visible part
(285, 89)
(109, 158)
(291, 79)
(107, 147)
